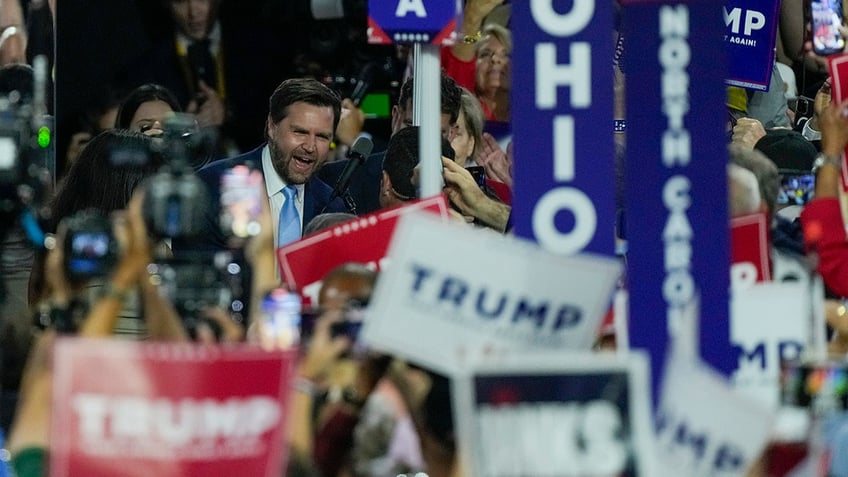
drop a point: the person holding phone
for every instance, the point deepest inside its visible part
(824, 230)
(826, 18)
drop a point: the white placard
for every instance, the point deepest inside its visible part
(454, 293)
(703, 427)
(572, 416)
(770, 322)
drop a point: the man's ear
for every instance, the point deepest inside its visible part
(269, 128)
(385, 183)
(397, 118)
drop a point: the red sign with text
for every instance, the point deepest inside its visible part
(168, 409)
(750, 257)
(838, 68)
(365, 239)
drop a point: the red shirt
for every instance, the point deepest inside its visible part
(824, 234)
(463, 73)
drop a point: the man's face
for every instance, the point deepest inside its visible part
(193, 17)
(402, 118)
(300, 142)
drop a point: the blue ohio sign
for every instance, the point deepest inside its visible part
(562, 109)
(413, 21)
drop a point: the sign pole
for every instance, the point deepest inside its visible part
(426, 113)
(427, 25)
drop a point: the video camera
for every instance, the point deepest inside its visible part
(176, 201)
(177, 206)
(26, 158)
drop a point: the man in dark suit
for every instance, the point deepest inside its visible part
(365, 182)
(210, 60)
(303, 116)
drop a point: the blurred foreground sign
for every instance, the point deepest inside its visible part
(703, 427)
(574, 416)
(454, 292)
(141, 409)
(770, 324)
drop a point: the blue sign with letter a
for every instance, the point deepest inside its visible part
(413, 21)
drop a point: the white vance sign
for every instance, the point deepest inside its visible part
(575, 415)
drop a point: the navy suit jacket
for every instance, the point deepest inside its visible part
(316, 195)
(364, 183)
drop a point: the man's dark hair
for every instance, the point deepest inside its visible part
(402, 157)
(305, 90)
(451, 96)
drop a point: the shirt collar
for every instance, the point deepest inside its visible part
(214, 38)
(273, 182)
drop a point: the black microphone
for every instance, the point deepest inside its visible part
(363, 82)
(355, 157)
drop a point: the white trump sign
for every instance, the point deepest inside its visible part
(453, 293)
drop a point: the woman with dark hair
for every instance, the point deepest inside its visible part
(105, 174)
(96, 180)
(145, 109)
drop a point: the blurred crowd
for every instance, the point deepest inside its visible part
(203, 154)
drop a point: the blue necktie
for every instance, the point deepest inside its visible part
(289, 229)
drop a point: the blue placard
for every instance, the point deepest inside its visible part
(413, 21)
(750, 32)
(676, 199)
(562, 110)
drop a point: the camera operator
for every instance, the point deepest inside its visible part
(95, 184)
(29, 436)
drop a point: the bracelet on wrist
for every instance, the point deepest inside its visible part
(823, 159)
(305, 386)
(472, 39)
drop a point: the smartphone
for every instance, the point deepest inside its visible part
(796, 188)
(349, 326)
(281, 319)
(826, 16)
(478, 173)
(91, 250)
(241, 194)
